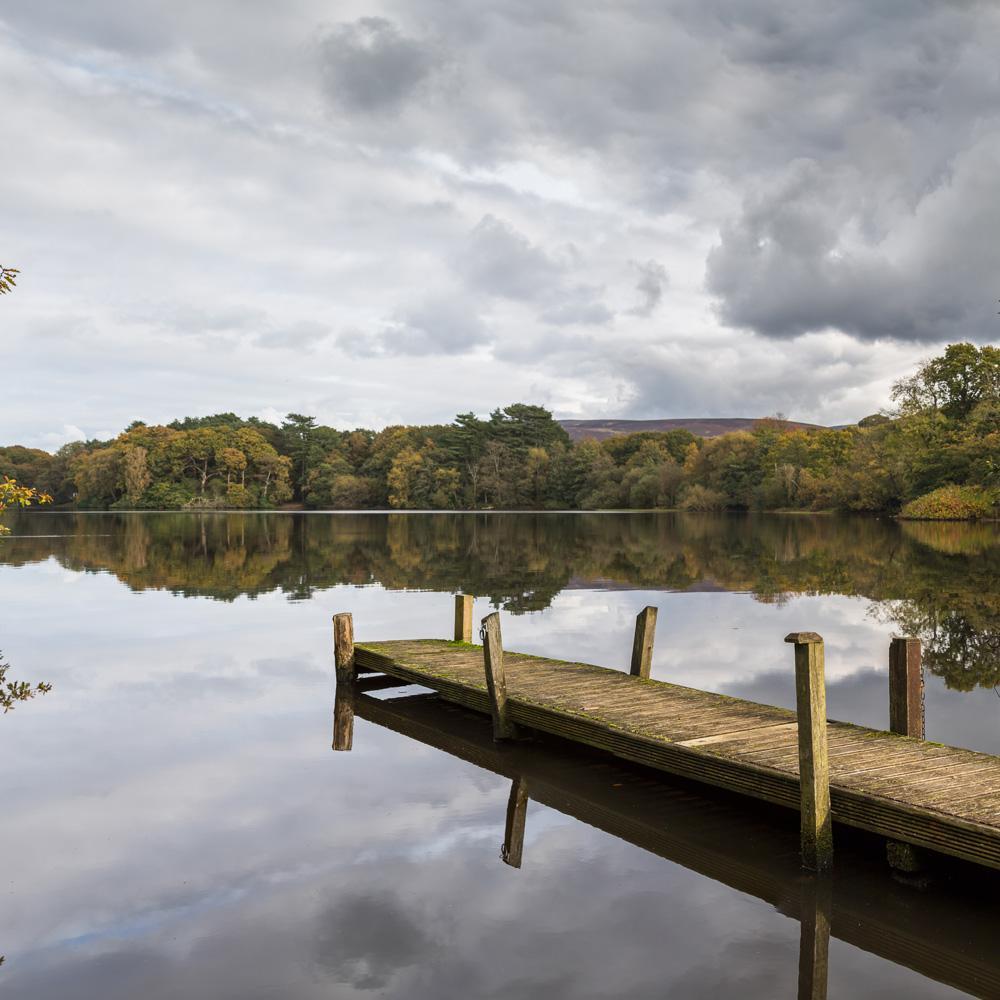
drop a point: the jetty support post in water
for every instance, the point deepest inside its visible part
(642, 644)
(496, 683)
(343, 705)
(814, 768)
(463, 617)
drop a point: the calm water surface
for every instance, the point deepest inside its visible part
(176, 825)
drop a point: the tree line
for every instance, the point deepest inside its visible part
(936, 455)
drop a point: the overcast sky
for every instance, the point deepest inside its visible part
(395, 211)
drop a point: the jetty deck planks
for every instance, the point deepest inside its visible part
(943, 798)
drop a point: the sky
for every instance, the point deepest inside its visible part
(392, 212)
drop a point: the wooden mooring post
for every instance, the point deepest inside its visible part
(463, 618)
(642, 643)
(513, 834)
(343, 703)
(906, 717)
(496, 684)
(906, 688)
(814, 769)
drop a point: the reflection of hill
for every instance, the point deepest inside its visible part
(939, 581)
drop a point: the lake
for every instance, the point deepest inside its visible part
(176, 824)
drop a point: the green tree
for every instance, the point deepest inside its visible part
(11, 692)
(954, 383)
(8, 279)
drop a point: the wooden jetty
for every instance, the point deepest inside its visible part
(945, 933)
(901, 787)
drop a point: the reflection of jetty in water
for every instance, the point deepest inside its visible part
(937, 581)
(945, 932)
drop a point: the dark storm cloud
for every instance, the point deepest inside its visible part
(370, 65)
(794, 260)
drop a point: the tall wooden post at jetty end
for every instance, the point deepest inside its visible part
(814, 769)
(496, 683)
(642, 643)
(906, 688)
(463, 617)
(343, 658)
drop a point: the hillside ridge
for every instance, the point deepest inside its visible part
(580, 430)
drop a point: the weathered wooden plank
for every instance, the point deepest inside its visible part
(744, 736)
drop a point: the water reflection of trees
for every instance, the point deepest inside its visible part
(937, 581)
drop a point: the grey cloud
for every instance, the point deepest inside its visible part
(652, 281)
(301, 335)
(812, 378)
(230, 323)
(440, 325)
(798, 258)
(884, 103)
(585, 312)
(499, 260)
(370, 65)
(103, 24)
(365, 939)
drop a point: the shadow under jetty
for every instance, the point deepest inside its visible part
(943, 931)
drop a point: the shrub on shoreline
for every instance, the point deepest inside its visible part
(952, 503)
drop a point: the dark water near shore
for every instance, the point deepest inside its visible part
(175, 824)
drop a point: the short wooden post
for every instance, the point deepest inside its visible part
(463, 618)
(642, 643)
(814, 771)
(343, 646)
(496, 684)
(343, 703)
(513, 834)
(814, 937)
(906, 688)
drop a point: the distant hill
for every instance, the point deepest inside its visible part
(580, 430)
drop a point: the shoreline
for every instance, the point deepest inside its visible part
(784, 512)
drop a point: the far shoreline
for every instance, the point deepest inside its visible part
(298, 509)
